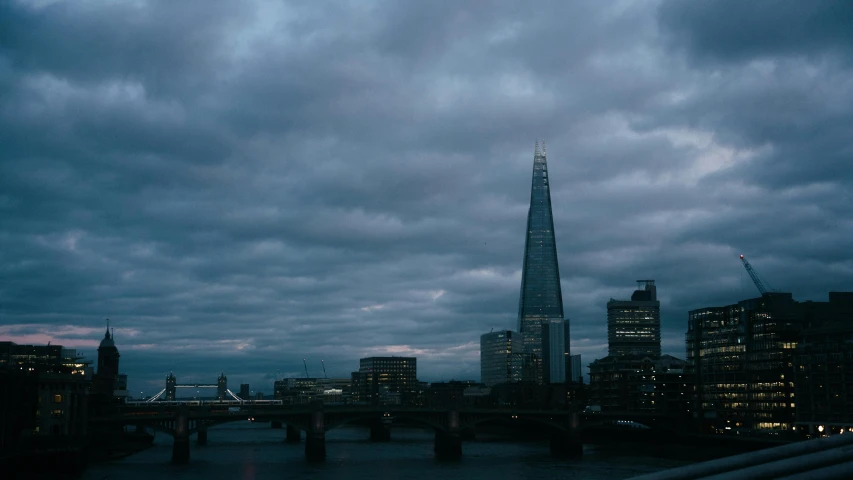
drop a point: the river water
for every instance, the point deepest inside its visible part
(250, 451)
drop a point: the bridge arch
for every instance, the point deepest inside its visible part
(502, 418)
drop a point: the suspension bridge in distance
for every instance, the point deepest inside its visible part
(170, 392)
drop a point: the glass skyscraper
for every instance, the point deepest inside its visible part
(541, 303)
(502, 358)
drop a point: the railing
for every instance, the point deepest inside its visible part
(822, 458)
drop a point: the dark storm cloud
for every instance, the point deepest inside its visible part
(242, 188)
(732, 31)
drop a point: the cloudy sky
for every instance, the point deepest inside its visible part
(241, 185)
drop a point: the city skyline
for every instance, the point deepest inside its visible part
(244, 188)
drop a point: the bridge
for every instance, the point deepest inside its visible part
(170, 392)
(183, 420)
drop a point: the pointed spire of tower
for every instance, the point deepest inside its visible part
(540, 301)
(107, 335)
(536, 151)
(543, 147)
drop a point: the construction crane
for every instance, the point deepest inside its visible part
(754, 276)
(305, 362)
(324, 368)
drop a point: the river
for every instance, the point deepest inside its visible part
(253, 451)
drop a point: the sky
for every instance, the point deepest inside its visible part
(239, 186)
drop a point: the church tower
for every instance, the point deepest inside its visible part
(107, 363)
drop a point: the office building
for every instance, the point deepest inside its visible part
(823, 367)
(640, 383)
(554, 351)
(742, 357)
(44, 392)
(502, 358)
(386, 381)
(300, 390)
(541, 300)
(633, 326)
(244, 391)
(575, 369)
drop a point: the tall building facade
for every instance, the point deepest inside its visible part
(633, 326)
(574, 369)
(554, 350)
(502, 358)
(745, 360)
(386, 380)
(823, 366)
(541, 301)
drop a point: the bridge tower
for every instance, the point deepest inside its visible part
(222, 387)
(171, 382)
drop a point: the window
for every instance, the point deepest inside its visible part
(57, 398)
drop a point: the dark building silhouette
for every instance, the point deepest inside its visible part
(222, 387)
(106, 377)
(44, 394)
(823, 366)
(244, 391)
(640, 383)
(540, 306)
(171, 386)
(633, 326)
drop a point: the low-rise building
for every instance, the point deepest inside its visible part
(640, 383)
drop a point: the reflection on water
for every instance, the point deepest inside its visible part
(249, 451)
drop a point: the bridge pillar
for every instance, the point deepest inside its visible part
(379, 431)
(202, 434)
(275, 424)
(567, 443)
(294, 434)
(181, 445)
(448, 444)
(315, 438)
